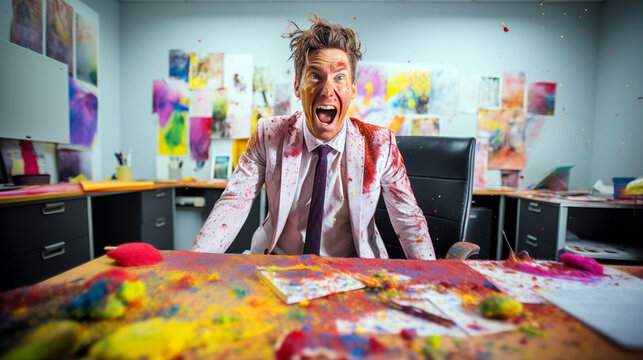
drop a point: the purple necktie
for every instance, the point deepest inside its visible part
(316, 212)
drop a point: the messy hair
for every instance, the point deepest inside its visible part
(323, 34)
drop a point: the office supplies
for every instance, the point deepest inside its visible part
(418, 312)
(124, 173)
(556, 180)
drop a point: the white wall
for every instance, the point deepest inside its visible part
(466, 35)
(617, 148)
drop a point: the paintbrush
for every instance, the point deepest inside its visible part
(417, 312)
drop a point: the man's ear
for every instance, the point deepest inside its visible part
(297, 88)
(353, 90)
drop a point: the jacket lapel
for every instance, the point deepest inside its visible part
(290, 163)
(355, 176)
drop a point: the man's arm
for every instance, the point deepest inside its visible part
(231, 210)
(407, 218)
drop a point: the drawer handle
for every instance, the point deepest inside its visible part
(160, 222)
(160, 194)
(52, 250)
(53, 208)
(532, 241)
(534, 207)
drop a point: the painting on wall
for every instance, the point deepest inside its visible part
(425, 125)
(26, 24)
(407, 92)
(444, 93)
(541, 98)
(83, 113)
(206, 70)
(221, 166)
(202, 102)
(489, 92)
(86, 55)
(169, 95)
(481, 159)
(369, 104)
(264, 95)
(73, 162)
(468, 103)
(513, 89)
(179, 64)
(219, 113)
(23, 157)
(200, 130)
(506, 129)
(172, 136)
(60, 17)
(238, 82)
(283, 94)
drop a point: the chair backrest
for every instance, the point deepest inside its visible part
(441, 173)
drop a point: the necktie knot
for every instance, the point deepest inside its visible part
(323, 150)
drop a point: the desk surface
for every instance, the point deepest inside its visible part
(178, 287)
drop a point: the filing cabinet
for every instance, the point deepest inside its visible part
(537, 228)
(42, 239)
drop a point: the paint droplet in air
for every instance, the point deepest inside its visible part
(612, 49)
(435, 211)
(506, 29)
(562, 36)
(522, 177)
(354, 17)
(199, 40)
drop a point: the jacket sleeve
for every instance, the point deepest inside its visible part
(406, 217)
(231, 210)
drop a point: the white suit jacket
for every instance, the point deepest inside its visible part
(273, 157)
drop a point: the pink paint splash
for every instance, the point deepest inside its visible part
(552, 269)
(29, 156)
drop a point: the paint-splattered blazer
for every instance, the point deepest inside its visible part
(273, 157)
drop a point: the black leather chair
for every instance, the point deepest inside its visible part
(441, 173)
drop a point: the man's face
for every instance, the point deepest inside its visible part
(326, 89)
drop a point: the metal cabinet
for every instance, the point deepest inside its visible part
(42, 239)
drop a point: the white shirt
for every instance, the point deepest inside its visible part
(336, 235)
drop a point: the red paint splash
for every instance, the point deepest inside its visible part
(29, 156)
(522, 177)
(354, 17)
(506, 29)
(341, 64)
(370, 153)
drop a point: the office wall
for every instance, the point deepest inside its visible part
(617, 148)
(467, 36)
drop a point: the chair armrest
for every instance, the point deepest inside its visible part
(462, 250)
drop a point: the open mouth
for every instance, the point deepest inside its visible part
(326, 113)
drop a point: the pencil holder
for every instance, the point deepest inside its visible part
(123, 172)
(174, 173)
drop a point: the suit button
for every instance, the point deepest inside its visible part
(265, 252)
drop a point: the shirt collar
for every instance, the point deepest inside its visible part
(336, 143)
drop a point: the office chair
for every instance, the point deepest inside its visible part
(441, 173)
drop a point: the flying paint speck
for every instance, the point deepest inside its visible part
(506, 29)
(354, 17)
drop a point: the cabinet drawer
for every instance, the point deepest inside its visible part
(159, 233)
(539, 219)
(156, 203)
(29, 227)
(39, 264)
(536, 248)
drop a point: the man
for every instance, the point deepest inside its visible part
(323, 171)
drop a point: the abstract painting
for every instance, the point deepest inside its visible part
(407, 92)
(219, 113)
(169, 95)
(369, 104)
(83, 114)
(444, 93)
(489, 92)
(480, 167)
(179, 64)
(283, 93)
(86, 55)
(172, 136)
(60, 40)
(468, 103)
(263, 87)
(72, 163)
(221, 166)
(238, 81)
(425, 125)
(202, 102)
(26, 24)
(513, 89)
(23, 157)
(506, 129)
(206, 70)
(200, 130)
(541, 98)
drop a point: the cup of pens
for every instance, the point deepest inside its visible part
(123, 169)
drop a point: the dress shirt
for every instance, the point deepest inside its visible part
(336, 235)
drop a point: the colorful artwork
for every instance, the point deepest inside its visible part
(172, 136)
(444, 92)
(219, 113)
(23, 157)
(86, 56)
(202, 102)
(369, 104)
(407, 92)
(200, 130)
(26, 24)
(238, 147)
(480, 167)
(72, 163)
(169, 95)
(238, 82)
(489, 92)
(60, 17)
(469, 86)
(206, 70)
(506, 129)
(221, 166)
(541, 99)
(425, 125)
(263, 87)
(179, 64)
(83, 114)
(283, 93)
(513, 90)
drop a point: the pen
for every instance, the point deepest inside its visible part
(119, 158)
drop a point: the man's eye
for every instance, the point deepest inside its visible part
(314, 76)
(340, 77)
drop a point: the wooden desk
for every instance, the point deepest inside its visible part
(240, 304)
